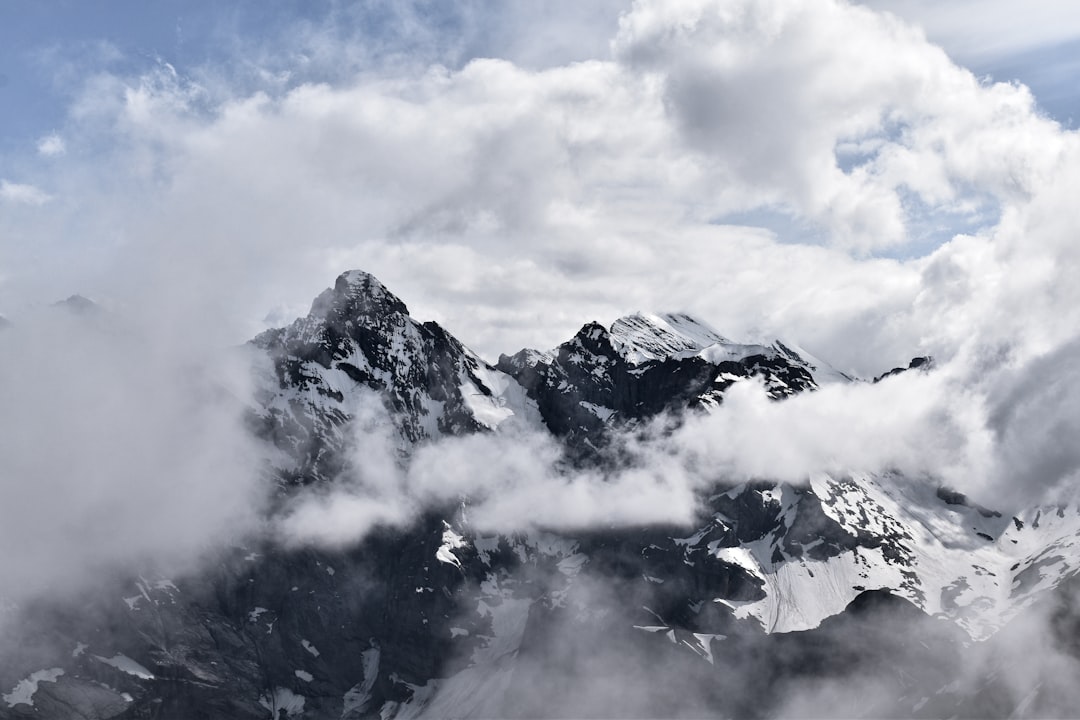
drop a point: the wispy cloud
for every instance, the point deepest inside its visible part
(22, 194)
(51, 145)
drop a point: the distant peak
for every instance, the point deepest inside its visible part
(357, 293)
(77, 304)
(644, 337)
(925, 364)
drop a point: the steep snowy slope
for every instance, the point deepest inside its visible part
(359, 347)
(646, 364)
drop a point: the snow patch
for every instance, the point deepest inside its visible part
(358, 696)
(125, 664)
(450, 541)
(23, 692)
(283, 699)
(645, 337)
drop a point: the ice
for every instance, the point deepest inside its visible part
(357, 697)
(125, 664)
(23, 692)
(450, 542)
(283, 699)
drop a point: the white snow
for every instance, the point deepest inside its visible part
(604, 413)
(645, 337)
(950, 560)
(505, 400)
(283, 699)
(704, 644)
(572, 565)
(80, 648)
(669, 632)
(309, 647)
(253, 615)
(125, 664)
(23, 692)
(358, 695)
(450, 541)
(304, 675)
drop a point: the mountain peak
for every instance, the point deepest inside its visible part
(77, 304)
(645, 337)
(357, 293)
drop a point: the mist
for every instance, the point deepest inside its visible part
(122, 449)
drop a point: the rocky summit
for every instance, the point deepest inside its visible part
(773, 590)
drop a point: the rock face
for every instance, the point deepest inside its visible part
(772, 591)
(358, 348)
(647, 364)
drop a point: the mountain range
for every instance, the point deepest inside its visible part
(774, 598)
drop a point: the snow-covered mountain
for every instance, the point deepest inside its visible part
(884, 577)
(359, 339)
(646, 364)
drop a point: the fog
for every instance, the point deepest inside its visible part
(121, 449)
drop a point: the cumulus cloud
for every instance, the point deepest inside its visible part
(842, 114)
(513, 204)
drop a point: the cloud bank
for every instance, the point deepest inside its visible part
(512, 200)
(117, 454)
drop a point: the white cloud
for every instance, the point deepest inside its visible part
(541, 199)
(767, 93)
(22, 194)
(976, 29)
(916, 423)
(119, 451)
(51, 145)
(514, 204)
